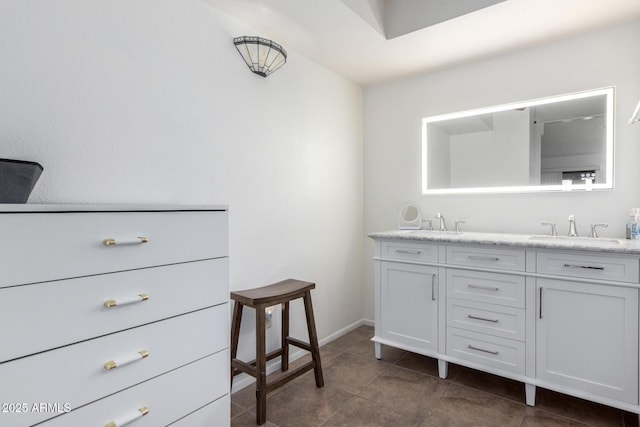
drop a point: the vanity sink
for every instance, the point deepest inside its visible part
(575, 239)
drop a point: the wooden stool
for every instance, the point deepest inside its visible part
(260, 299)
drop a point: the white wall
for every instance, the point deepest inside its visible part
(392, 117)
(148, 101)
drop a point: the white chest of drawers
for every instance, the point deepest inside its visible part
(114, 314)
(548, 315)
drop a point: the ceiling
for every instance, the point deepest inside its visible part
(371, 41)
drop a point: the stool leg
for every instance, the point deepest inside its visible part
(235, 334)
(261, 366)
(285, 336)
(313, 339)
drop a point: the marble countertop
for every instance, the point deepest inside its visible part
(516, 240)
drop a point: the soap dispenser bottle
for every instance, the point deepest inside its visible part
(635, 227)
(632, 221)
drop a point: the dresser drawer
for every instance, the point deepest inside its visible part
(216, 413)
(165, 399)
(58, 313)
(474, 256)
(486, 350)
(409, 251)
(494, 288)
(48, 246)
(598, 266)
(492, 319)
(77, 375)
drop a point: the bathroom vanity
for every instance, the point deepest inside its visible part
(555, 312)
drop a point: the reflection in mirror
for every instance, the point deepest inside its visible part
(553, 144)
(409, 218)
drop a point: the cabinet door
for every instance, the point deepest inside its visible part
(587, 338)
(409, 305)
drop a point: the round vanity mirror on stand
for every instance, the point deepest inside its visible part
(409, 218)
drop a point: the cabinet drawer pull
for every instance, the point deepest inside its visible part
(483, 258)
(433, 287)
(137, 241)
(484, 288)
(126, 419)
(495, 353)
(470, 316)
(113, 364)
(110, 303)
(408, 251)
(590, 267)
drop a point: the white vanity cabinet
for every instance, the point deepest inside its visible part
(587, 338)
(554, 314)
(409, 306)
(587, 332)
(115, 314)
(408, 295)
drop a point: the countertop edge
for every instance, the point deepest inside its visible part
(631, 247)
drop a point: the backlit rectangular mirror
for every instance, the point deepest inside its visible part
(561, 143)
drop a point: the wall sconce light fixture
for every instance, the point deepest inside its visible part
(262, 56)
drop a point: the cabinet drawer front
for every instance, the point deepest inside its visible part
(486, 350)
(495, 288)
(506, 322)
(216, 413)
(77, 374)
(167, 397)
(63, 312)
(409, 251)
(502, 259)
(589, 266)
(71, 244)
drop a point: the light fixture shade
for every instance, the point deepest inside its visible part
(262, 56)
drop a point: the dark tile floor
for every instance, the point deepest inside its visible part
(403, 389)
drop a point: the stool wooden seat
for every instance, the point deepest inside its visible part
(259, 299)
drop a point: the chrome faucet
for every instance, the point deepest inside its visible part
(572, 226)
(553, 228)
(594, 233)
(443, 226)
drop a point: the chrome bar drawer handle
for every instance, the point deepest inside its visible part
(495, 353)
(433, 287)
(129, 418)
(137, 241)
(484, 288)
(483, 258)
(110, 303)
(470, 316)
(408, 251)
(113, 364)
(590, 267)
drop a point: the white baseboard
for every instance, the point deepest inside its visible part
(368, 322)
(243, 380)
